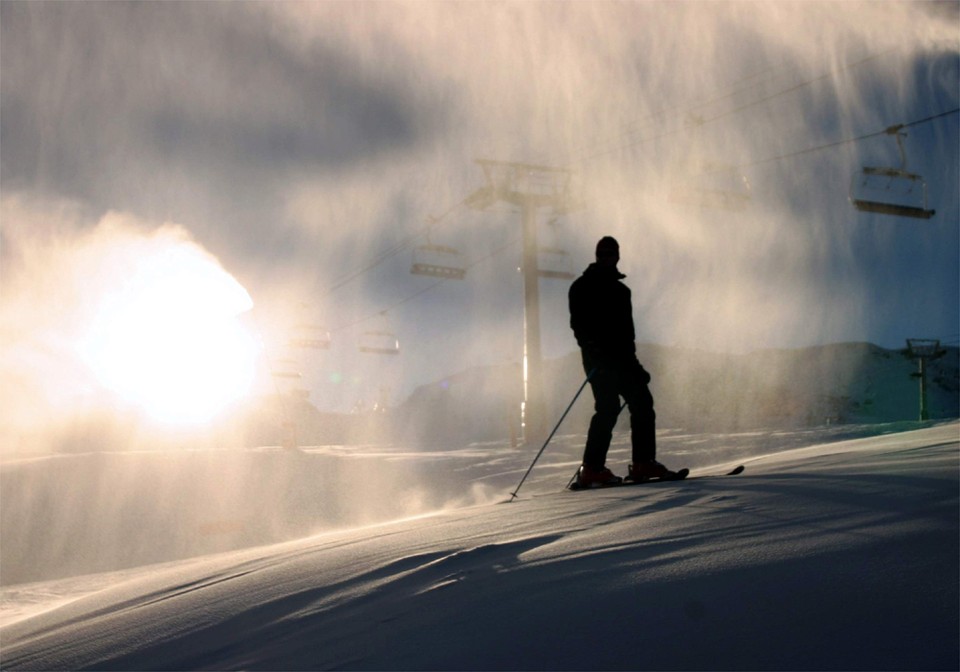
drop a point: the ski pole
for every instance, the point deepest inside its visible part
(573, 478)
(542, 448)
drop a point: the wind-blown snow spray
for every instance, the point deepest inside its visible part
(513, 495)
(713, 140)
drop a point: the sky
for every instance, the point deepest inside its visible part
(281, 163)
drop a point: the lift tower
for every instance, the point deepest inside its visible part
(923, 350)
(528, 188)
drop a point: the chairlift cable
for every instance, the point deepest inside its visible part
(677, 113)
(409, 241)
(396, 249)
(781, 157)
(424, 290)
(810, 150)
(847, 141)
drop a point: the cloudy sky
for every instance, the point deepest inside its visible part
(301, 151)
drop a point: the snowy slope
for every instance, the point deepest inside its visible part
(837, 556)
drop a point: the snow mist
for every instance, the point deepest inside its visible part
(309, 148)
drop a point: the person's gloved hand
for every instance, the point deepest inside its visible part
(643, 373)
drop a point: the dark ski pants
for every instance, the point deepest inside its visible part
(626, 378)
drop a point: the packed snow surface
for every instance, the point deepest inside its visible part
(839, 555)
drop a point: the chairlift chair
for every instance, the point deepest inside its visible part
(891, 191)
(927, 348)
(379, 342)
(438, 261)
(284, 368)
(554, 263)
(310, 336)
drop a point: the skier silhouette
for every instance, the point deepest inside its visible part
(601, 316)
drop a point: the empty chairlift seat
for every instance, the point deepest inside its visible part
(284, 368)
(310, 336)
(438, 261)
(891, 190)
(554, 263)
(379, 342)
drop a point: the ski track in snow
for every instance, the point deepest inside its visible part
(839, 555)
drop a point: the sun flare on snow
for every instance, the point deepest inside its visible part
(169, 340)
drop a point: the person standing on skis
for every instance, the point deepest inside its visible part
(601, 316)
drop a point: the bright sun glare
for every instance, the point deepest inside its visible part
(169, 340)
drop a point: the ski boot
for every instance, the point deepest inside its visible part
(588, 477)
(651, 470)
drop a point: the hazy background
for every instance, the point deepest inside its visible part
(295, 153)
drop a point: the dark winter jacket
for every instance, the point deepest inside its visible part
(601, 313)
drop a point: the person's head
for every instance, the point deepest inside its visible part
(608, 251)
